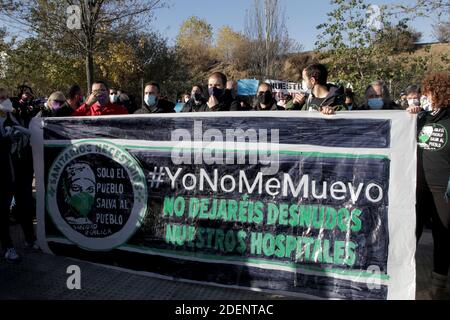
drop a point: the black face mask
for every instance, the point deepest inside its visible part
(216, 92)
(265, 98)
(198, 97)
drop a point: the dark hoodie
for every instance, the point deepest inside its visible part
(273, 107)
(190, 106)
(162, 106)
(433, 160)
(335, 99)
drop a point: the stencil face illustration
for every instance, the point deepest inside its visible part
(80, 180)
(426, 134)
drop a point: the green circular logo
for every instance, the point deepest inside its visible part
(433, 137)
(96, 194)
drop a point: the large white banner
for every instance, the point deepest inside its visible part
(291, 202)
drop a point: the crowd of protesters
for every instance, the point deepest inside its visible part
(429, 100)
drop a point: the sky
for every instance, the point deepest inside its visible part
(302, 17)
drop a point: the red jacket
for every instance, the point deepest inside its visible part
(97, 110)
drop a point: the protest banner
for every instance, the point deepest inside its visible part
(285, 87)
(247, 87)
(290, 202)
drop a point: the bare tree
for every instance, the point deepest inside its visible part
(80, 27)
(420, 8)
(441, 31)
(268, 35)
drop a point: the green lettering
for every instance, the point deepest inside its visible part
(194, 207)
(291, 243)
(272, 214)
(305, 216)
(268, 244)
(179, 205)
(318, 217)
(168, 206)
(343, 219)
(255, 243)
(284, 211)
(356, 220)
(230, 241)
(331, 218)
(339, 252)
(279, 244)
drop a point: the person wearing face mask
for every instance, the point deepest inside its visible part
(196, 102)
(113, 96)
(413, 96)
(153, 102)
(350, 100)
(98, 103)
(403, 101)
(265, 100)
(74, 101)
(186, 97)
(54, 103)
(433, 175)
(319, 94)
(377, 97)
(232, 88)
(21, 169)
(239, 103)
(25, 106)
(220, 99)
(7, 184)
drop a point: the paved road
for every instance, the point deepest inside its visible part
(41, 276)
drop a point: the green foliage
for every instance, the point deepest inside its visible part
(32, 62)
(357, 53)
(53, 57)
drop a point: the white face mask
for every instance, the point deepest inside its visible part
(305, 86)
(113, 98)
(413, 102)
(6, 106)
(426, 103)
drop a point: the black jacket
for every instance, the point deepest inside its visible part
(162, 106)
(45, 113)
(226, 103)
(65, 111)
(24, 113)
(190, 106)
(273, 107)
(242, 104)
(7, 160)
(6, 164)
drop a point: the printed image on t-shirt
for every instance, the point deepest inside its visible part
(433, 137)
